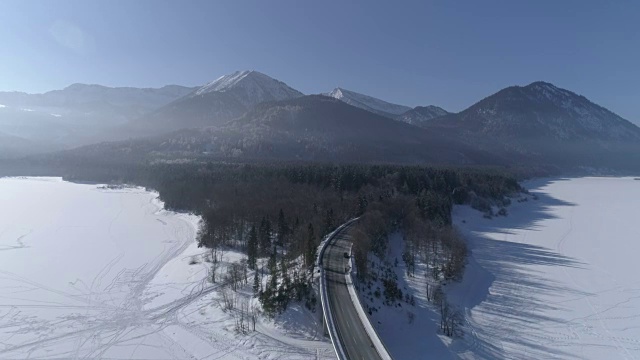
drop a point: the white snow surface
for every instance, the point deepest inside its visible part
(90, 272)
(367, 102)
(556, 278)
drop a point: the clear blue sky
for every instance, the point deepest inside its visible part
(448, 53)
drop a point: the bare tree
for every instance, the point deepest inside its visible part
(214, 269)
(255, 312)
(228, 299)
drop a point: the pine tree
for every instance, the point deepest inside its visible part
(310, 250)
(252, 248)
(284, 271)
(285, 286)
(328, 221)
(273, 271)
(265, 235)
(282, 228)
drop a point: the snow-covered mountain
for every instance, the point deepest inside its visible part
(545, 122)
(252, 87)
(217, 102)
(368, 103)
(541, 110)
(421, 114)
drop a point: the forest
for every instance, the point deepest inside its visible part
(278, 213)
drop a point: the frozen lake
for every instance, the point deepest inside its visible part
(89, 272)
(72, 256)
(557, 278)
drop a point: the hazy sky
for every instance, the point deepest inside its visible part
(448, 53)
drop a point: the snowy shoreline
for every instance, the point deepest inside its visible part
(94, 272)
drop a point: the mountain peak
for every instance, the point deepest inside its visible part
(336, 93)
(249, 80)
(224, 82)
(541, 84)
(249, 87)
(422, 114)
(544, 112)
(221, 100)
(548, 89)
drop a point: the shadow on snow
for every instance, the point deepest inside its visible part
(518, 295)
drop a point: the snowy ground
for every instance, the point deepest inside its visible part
(88, 272)
(557, 278)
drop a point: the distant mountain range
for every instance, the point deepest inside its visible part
(313, 127)
(249, 115)
(78, 114)
(387, 109)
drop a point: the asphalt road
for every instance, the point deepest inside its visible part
(351, 332)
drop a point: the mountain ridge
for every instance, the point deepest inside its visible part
(421, 114)
(309, 128)
(545, 124)
(366, 102)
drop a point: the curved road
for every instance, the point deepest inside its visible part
(352, 334)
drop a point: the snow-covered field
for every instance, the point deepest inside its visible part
(557, 278)
(89, 272)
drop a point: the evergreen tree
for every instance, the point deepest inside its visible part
(252, 248)
(310, 250)
(273, 270)
(265, 235)
(328, 221)
(282, 228)
(285, 286)
(284, 271)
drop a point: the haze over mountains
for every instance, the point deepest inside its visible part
(313, 127)
(249, 115)
(77, 114)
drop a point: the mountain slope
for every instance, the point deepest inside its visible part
(14, 147)
(368, 103)
(546, 123)
(312, 127)
(420, 114)
(217, 102)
